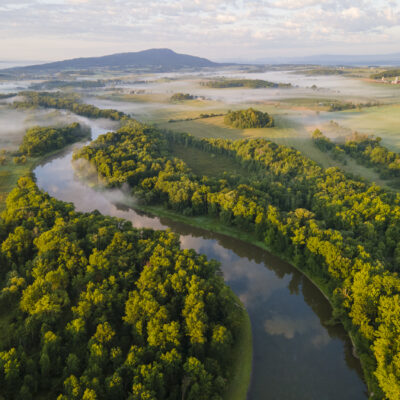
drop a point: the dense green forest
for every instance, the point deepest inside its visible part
(249, 118)
(176, 97)
(249, 83)
(366, 150)
(98, 310)
(339, 230)
(41, 140)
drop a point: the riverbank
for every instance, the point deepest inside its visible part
(241, 358)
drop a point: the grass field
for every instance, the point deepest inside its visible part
(383, 121)
(9, 175)
(203, 163)
(286, 132)
(241, 359)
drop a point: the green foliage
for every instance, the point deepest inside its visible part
(41, 140)
(249, 118)
(176, 97)
(107, 311)
(326, 145)
(19, 159)
(339, 230)
(340, 106)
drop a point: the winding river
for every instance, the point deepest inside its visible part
(296, 355)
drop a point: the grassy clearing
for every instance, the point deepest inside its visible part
(286, 132)
(9, 175)
(383, 121)
(241, 359)
(216, 128)
(203, 163)
(136, 98)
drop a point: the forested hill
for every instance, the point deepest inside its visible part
(161, 59)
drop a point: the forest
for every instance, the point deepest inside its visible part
(339, 230)
(250, 118)
(249, 83)
(39, 140)
(99, 310)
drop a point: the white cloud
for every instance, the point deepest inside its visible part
(214, 28)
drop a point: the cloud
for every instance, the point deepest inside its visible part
(289, 327)
(53, 29)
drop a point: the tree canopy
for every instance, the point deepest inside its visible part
(249, 118)
(103, 310)
(41, 140)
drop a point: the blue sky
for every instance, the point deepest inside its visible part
(218, 29)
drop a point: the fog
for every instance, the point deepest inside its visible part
(14, 123)
(148, 98)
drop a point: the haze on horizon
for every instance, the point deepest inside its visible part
(50, 30)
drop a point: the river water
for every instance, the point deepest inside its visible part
(296, 356)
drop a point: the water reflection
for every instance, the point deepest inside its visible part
(296, 356)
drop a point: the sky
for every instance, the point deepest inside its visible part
(49, 30)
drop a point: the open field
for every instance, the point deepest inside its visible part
(383, 121)
(241, 360)
(286, 132)
(203, 163)
(9, 175)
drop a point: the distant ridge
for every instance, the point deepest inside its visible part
(161, 59)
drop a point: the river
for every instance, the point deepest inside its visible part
(296, 356)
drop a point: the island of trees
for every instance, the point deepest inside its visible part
(177, 97)
(249, 118)
(249, 83)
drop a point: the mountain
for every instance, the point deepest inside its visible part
(160, 59)
(330, 59)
